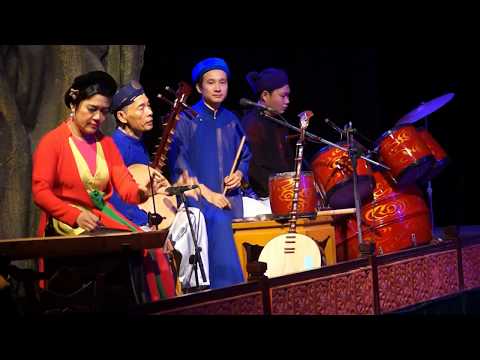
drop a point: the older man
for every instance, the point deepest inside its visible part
(134, 116)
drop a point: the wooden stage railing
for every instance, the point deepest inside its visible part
(367, 286)
(27, 248)
(90, 298)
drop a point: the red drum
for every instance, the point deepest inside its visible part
(394, 220)
(281, 194)
(404, 151)
(334, 171)
(441, 157)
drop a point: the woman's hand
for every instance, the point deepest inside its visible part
(88, 220)
(233, 181)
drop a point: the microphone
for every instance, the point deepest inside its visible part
(177, 190)
(335, 127)
(246, 103)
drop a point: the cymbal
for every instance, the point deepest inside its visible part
(425, 109)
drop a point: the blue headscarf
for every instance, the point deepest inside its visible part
(268, 79)
(209, 64)
(126, 95)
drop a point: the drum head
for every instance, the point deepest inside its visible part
(289, 175)
(436, 169)
(342, 196)
(415, 171)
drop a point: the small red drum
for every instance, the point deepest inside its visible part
(404, 151)
(441, 157)
(394, 220)
(281, 194)
(334, 171)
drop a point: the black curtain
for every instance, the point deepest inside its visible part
(372, 87)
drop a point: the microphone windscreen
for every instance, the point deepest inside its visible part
(244, 102)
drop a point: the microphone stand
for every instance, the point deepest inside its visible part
(195, 260)
(318, 139)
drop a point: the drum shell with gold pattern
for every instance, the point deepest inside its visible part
(397, 219)
(440, 155)
(403, 150)
(334, 171)
(281, 194)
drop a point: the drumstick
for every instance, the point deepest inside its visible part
(236, 160)
(336, 212)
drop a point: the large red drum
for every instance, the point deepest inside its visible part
(394, 220)
(403, 150)
(440, 155)
(281, 194)
(334, 171)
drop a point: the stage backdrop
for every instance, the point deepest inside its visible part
(372, 87)
(33, 80)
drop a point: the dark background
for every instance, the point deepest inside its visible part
(372, 87)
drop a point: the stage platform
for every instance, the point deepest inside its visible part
(448, 268)
(375, 285)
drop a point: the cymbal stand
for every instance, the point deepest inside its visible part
(430, 190)
(365, 249)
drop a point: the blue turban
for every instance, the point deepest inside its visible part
(269, 79)
(209, 64)
(126, 95)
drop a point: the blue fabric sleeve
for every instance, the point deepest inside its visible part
(130, 211)
(178, 159)
(245, 155)
(131, 154)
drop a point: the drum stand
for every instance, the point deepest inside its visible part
(365, 248)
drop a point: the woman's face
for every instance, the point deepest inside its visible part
(90, 114)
